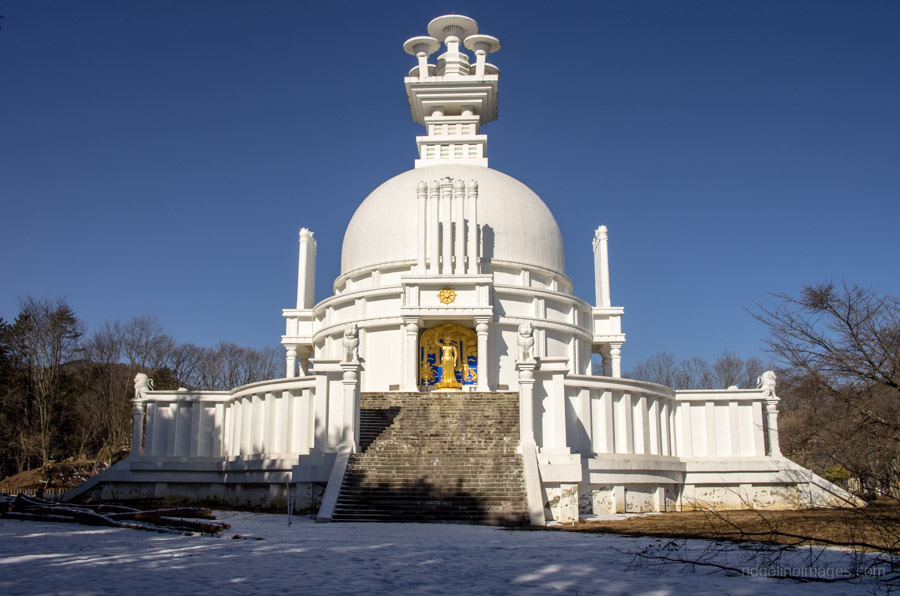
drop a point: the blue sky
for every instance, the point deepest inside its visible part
(159, 157)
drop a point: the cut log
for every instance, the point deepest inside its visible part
(170, 520)
(195, 512)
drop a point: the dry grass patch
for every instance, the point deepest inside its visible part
(874, 528)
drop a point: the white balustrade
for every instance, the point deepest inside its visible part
(620, 416)
(261, 419)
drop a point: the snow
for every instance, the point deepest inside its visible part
(261, 554)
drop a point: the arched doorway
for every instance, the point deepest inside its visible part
(433, 356)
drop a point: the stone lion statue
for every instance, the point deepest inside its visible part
(525, 341)
(351, 342)
(766, 382)
(142, 384)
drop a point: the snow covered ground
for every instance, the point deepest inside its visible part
(262, 555)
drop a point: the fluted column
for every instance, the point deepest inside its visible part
(306, 271)
(601, 267)
(482, 329)
(411, 354)
(459, 227)
(446, 228)
(472, 227)
(433, 232)
(422, 198)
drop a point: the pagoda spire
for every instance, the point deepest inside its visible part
(453, 98)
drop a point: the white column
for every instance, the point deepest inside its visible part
(433, 232)
(557, 440)
(421, 199)
(411, 351)
(601, 267)
(615, 360)
(772, 425)
(351, 402)
(423, 64)
(446, 228)
(459, 225)
(482, 329)
(526, 400)
(137, 430)
(306, 271)
(291, 363)
(605, 361)
(472, 227)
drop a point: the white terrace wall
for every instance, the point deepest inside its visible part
(248, 446)
(630, 446)
(599, 444)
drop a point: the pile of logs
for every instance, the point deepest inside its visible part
(114, 516)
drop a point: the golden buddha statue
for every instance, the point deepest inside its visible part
(449, 362)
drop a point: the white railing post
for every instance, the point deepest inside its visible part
(772, 424)
(137, 431)
(526, 400)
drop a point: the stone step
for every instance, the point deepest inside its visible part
(450, 488)
(422, 504)
(418, 479)
(450, 518)
(436, 457)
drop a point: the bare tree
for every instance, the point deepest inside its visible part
(229, 365)
(728, 369)
(116, 352)
(44, 337)
(659, 368)
(694, 374)
(840, 347)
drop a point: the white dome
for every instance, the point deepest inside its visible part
(519, 226)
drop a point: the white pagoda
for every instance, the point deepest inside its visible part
(452, 284)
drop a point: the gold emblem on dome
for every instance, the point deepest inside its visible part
(447, 295)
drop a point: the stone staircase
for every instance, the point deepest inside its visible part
(436, 457)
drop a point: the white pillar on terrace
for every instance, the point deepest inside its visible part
(615, 360)
(772, 425)
(526, 400)
(291, 362)
(601, 267)
(137, 430)
(306, 273)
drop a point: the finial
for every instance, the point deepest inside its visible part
(452, 113)
(422, 47)
(482, 45)
(455, 25)
(600, 235)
